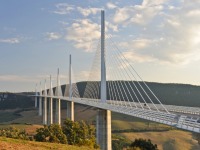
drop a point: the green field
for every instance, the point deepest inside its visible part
(16, 144)
(168, 140)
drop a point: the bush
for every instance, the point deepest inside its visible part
(14, 133)
(79, 133)
(52, 133)
(143, 144)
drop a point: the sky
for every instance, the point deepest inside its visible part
(160, 38)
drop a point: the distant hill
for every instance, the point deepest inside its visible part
(168, 93)
(15, 100)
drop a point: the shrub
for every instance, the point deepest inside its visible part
(143, 144)
(52, 133)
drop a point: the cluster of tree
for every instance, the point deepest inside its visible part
(142, 144)
(119, 143)
(12, 132)
(73, 133)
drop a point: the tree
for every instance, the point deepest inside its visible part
(79, 133)
(52, 133)
(143, 144)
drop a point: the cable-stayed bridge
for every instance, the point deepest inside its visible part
(113, 85)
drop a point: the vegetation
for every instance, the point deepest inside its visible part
(143, 144)
(79, 133)
(18, 144)
(118, 142)
(15, 133)
(52, 133)
(73, 133)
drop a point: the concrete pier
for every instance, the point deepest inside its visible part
(103, 128)
(70, 110)
(57, 117)
(50, 113)
(36, 102)
(40, 106)
(45, 111)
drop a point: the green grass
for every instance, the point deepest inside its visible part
(170, 140)
(8, 143)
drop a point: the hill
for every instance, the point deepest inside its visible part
(168, 93)
(16, 144)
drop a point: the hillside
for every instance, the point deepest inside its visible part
(168, 93)
(16, 144)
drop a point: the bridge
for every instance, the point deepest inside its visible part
(114, 85)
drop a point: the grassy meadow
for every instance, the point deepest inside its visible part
(173, 139)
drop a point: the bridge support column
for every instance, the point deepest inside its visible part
(35, 102)
(45, 111)
(50, 113)
(103, 129)
(70, 110)
(57, 118)
(40, 106)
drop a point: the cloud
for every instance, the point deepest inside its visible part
(16, 78)
(88, 11)
(111, 5)
(171, 34)
(83, 33)
(10, 40)
(63, 8)
(111, 26)
(53, 36)
(138, 14)
(193, 13)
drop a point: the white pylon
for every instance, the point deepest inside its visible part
(70, 104)
(103, 122)
(50, 113)
(58, 93)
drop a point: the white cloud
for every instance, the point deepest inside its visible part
(10, 40)
(16, 78)
(111, 26)
(63, 8)
(53, 36)
(138, 14)
(137, 44)
(83, 33)
(194, 13)
(136, 57)
(122, 14)
(171, 32)
(88, 11)
(111, 5)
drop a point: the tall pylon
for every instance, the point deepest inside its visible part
(103, 122)
(70, 104)
(58, 94)
(50, 113)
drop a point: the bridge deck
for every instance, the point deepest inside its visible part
(179, 116)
